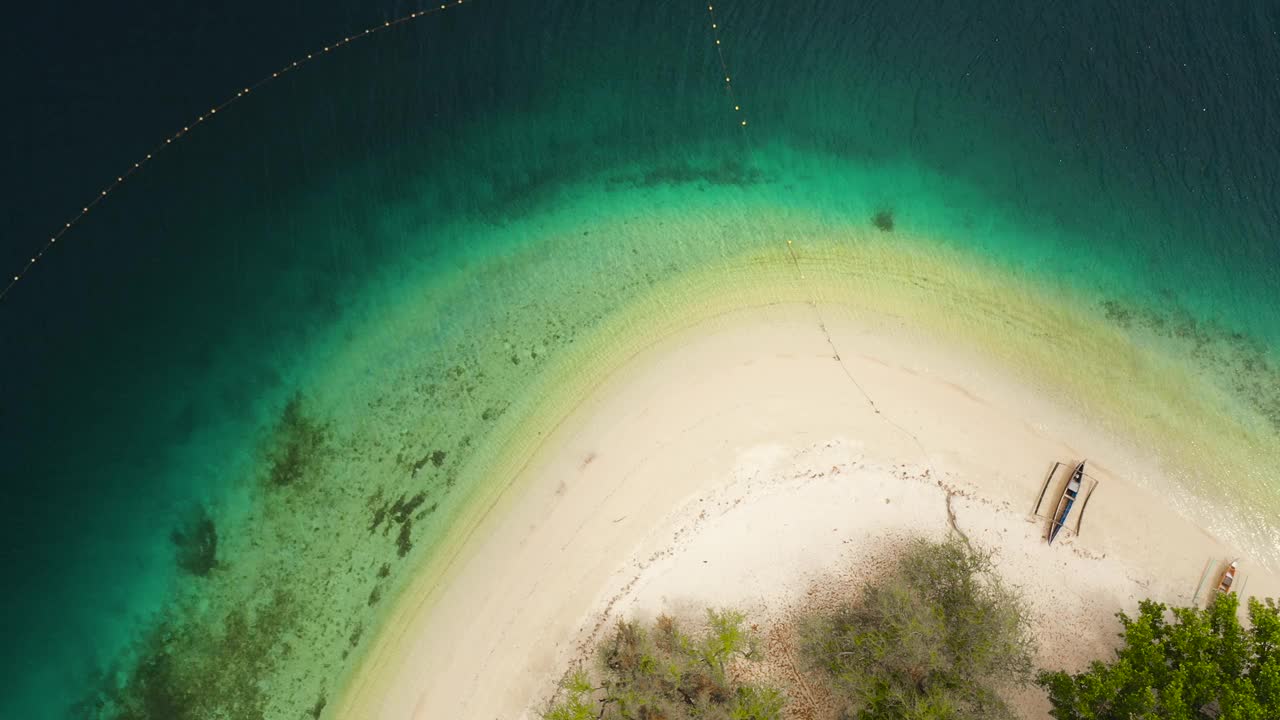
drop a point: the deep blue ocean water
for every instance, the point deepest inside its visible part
(141, 360)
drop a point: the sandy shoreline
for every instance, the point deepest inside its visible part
(740, 463)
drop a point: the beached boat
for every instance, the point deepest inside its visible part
(1228, 577)
(1068, 499)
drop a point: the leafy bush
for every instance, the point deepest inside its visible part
(1203, 664)
(928, 641)
(664, 673)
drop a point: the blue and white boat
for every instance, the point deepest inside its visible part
(1069, 496)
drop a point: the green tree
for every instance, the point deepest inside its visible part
(1181, 664)
(664, 673)
(928, 641)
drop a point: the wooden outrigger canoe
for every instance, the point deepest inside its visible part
(1069, 496)
(1228, 577)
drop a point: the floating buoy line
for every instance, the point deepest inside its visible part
(724, 66)
(120, 179)
(66, 227)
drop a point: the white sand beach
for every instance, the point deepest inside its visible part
(742, 463)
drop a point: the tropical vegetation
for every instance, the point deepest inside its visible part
(936, 637)
(1181, 664)
(933, 639)
(665, 673)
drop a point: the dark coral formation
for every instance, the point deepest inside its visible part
(402, 512)
(195, 673)
(883, 220)
(196, 542)
(353, 639)
(404, 540)
(299, 444)
(398, 512)
(435, 457)
(218, 642)
(318, 708)
(1248, 370)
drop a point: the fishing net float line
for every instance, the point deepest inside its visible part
(102, 195)
(294, 65)
(724, 66)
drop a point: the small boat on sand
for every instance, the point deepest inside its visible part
(1228, 577)
(1068, 499)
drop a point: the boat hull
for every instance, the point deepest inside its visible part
(1069, 496)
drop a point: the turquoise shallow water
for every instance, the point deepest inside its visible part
(502, 170)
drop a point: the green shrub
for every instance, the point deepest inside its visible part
(928, 641)
(1203, 664)
(664, 673)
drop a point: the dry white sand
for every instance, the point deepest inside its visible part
(739, 463)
